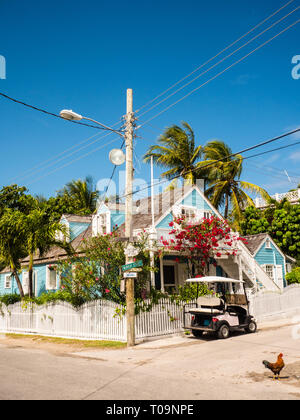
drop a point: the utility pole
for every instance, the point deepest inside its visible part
(128, 217)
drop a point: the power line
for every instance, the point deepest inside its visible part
(42, 167)
(222, 159)
(220, 61)
(220, 73)
(49, 113)
(217, 55)
(75, 160)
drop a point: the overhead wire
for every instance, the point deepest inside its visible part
(98, 127)
(220, 73)
(217, 55)
(219, 160)
(220, 61)
(75, 160)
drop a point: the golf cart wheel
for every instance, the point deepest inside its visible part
(197, 333)
(224, 332)
(251, 327)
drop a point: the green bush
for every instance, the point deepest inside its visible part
(10, 299)
(294, 276)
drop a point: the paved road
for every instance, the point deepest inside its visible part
(170, 369)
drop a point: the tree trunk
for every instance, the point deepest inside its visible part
(30, 275)
(226, 207)
(16, 276)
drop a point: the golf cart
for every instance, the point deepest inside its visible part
(225, 310)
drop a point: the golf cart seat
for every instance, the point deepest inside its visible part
(210, 305)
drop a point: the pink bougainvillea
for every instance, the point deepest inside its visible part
(201, 242)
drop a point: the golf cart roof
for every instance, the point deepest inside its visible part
(214, 279)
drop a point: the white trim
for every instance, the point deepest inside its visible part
(272, 242)
(182, 198)
(48, 278)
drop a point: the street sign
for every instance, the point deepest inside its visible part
(130, 275)
(128, 267)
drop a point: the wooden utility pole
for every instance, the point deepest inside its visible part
(128, 218)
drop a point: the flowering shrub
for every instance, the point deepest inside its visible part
(97, 273)
(200, 243)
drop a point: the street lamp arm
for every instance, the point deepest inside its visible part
(104, 126)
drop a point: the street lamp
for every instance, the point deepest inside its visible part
(116, 157)
(68, 114)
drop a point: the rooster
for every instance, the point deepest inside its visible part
(277, 367)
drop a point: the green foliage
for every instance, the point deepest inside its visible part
(294, 276)
(177, 152)
(281, 221)
(81, 195)
(10, 299)
(225, 189)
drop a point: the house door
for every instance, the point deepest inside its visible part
(169, 278)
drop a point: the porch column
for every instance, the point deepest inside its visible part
(240, 287)
(162, 282)
(152, 273)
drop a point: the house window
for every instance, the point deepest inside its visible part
(189, 214)
(206, 215)
(51, 282)
(7, 281)
(269, 269)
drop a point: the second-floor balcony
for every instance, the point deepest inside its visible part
(292, 196)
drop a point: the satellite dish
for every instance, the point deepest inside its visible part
(117, 157)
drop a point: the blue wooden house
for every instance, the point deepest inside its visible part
(260, 263)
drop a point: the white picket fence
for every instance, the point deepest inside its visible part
(99, 320)
(266, 305)
(95, 320)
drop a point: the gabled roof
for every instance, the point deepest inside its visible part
(56, 253)
(255, 241)
(142, 217)
(77, 218)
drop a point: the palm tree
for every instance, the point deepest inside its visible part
(82, 193)
(41, 234)
(225, 189)
(177, 152)
(12, 239)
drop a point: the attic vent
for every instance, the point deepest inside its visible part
(268, 244)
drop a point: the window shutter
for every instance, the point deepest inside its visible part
(279, 275)
(25, 282)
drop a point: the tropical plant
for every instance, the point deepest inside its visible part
(294, 276)
(41, 235)
(12, 242)
(225, 189)
(178, 152)
(81, 195)
(280, 221)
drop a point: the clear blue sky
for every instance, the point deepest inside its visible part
(84, 55)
